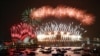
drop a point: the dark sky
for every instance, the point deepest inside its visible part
(10, 13)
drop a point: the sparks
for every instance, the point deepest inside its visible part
(21, 31)
(51, 29)
(60, 12)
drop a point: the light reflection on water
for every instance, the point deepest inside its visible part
(53, 48)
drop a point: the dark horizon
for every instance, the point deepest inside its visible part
(11, 13)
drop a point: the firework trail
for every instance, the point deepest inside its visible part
(59, 12)
(51, 29)
(22, 30)
(53, 26)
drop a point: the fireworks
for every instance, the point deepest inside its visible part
(53, 26)
(51, 29)
(21, 31)
(60, 12)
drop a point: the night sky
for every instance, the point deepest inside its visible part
(10, 13)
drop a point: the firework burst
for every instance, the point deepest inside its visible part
(51, 29)
(54, 26)
(60, 12)
(22, 30)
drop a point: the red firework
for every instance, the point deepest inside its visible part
(22, 30)
(60, 12)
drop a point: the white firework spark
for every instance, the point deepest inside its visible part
(50, 31)
(58, 27)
